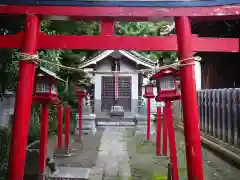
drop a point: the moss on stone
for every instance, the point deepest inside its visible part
(145, 147)
(157, 176)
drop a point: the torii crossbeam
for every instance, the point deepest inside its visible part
(105, 42)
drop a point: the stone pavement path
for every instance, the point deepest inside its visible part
(112, 162)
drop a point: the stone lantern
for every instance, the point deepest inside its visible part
(148, 93)
(166, 84)
(45, 87)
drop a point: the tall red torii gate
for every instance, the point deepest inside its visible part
(183, 42)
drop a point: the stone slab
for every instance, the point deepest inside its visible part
(115, 123)
(113, 155)
(71, 172)
(88, 127)
(62, 152)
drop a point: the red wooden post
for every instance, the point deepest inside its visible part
(189, 100)
(80, 100)
(148, 118)
(158, 132)
(67, 125)
(172, 143)
(107, 27)
(43, 139)
(23, 102)
(60, 121)
(165, 130)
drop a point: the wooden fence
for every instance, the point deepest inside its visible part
(219, 114)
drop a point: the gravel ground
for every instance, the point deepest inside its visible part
(85, 155)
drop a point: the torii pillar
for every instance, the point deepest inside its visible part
(189, 99)
(23, 101)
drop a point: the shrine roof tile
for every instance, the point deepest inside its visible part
(131, 55)
(126, 3)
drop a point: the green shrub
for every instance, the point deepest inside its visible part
(5, 137)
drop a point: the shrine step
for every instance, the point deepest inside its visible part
(102, 123)
(88, 127)
(115, 122)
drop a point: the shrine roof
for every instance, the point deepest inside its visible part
(50, 73)
(131, 55)
(126, 3)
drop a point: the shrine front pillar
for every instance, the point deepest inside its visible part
(23, 102)
(189, 99)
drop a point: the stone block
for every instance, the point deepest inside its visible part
(96, 171)
(95, 177)
(110, 177)
(88, 126)
(124, 170)
(71, 172)
(31, 161)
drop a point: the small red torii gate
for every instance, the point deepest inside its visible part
(183, 42)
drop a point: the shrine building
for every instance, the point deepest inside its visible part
(125, 88)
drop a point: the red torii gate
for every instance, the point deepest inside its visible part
(184, 42)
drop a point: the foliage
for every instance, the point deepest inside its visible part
(4, 141)
(4, 149)
(217, 28)
(160, 28)
(34, 127)
(142, 28)
(70, 58)
(8, 71)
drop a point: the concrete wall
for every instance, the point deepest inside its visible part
(198, 75)
(105, 66)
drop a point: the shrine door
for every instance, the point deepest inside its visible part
(109, 97)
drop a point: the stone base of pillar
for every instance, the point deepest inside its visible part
(63, 152)
(88, 126)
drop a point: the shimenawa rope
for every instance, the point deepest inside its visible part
(35, 58)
